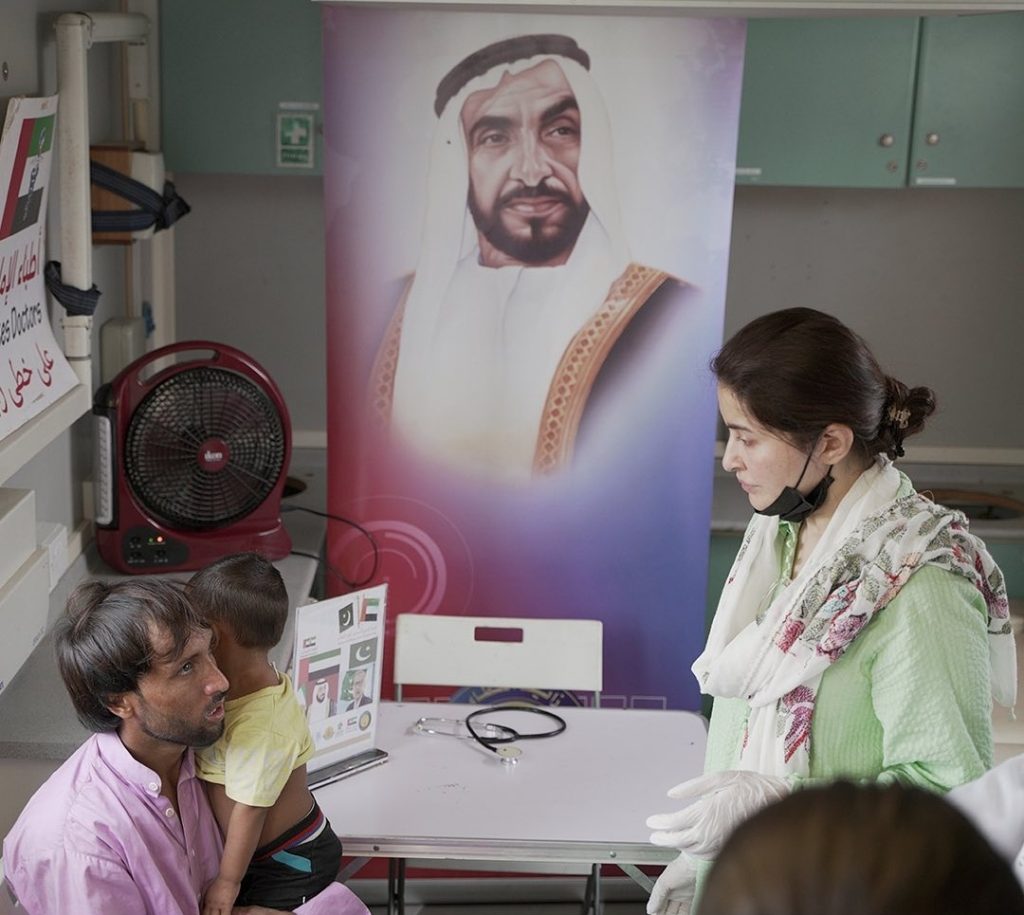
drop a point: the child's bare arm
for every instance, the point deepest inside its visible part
(240, 841)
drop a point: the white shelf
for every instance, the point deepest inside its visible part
(18, 448)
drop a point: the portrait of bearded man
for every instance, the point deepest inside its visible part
(525, 299)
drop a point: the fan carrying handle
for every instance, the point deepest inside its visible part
(147, 368)
(138, 378)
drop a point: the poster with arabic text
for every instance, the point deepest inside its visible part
(33, 370)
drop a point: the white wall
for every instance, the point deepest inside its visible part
(932, 278)
(250, 272)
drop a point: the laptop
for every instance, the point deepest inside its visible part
(339, 649)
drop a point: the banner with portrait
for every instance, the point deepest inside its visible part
(528, 221)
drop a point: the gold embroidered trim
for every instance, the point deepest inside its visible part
(581, 362)
(382, 376)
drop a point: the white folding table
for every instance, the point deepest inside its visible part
(580, 797)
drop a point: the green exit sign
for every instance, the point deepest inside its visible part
(296, 139)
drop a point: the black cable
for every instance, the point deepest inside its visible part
(335, 572)
(492, 743)
(362, 530)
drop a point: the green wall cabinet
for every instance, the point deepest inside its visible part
(227, 68)
(969, 114)
(870, 102)
(827, 102)
(884, 102)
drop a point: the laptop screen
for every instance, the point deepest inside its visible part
(339, 646)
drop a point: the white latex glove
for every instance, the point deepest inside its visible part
(672, 893)
(723, 801)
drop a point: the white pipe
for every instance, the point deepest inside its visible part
(158, 253)
(161, 294)
(73, 30)
(75, 199)
(116, 26)
(76, 33)
(147, 115)
(78, 346)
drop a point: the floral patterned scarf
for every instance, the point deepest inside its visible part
(771, 641)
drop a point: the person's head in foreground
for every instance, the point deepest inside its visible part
(849, 849)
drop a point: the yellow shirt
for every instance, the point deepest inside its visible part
(265, 738)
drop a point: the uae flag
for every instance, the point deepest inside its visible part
(26, 192)
(325, 665)
(371, 609)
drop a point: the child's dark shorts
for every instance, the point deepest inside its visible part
(295, 866)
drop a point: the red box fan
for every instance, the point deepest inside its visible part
(191, 460)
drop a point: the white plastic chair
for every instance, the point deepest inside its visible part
(435, 650)
(508, 652)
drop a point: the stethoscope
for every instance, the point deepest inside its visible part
(497, 738)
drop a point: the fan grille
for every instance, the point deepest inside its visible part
(173, 424)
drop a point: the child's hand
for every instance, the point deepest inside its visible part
(220, 896)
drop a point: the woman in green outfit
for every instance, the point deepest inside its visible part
(862, 631)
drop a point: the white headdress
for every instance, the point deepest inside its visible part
(553, 301)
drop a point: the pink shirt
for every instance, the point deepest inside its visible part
(98, 838)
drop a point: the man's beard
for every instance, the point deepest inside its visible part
(546, 240)
(176, 730)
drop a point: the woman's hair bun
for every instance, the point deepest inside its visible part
(904, 413)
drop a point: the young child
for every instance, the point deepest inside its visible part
(279, 848)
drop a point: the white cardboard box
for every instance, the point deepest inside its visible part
(17, 530)
(54, 539)
(24, 607)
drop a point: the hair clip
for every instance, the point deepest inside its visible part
(899, 417)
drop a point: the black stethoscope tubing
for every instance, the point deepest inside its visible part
(510, 735)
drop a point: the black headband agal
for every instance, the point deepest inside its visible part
(505, 52)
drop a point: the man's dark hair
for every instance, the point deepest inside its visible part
(505, 52)
(104, 641)
(245, 592)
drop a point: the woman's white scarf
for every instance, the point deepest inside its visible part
(771, 641)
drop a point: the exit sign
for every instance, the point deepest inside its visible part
(296, 139)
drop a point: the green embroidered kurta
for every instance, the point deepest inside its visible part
(909, 701)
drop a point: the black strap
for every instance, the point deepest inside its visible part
(159, 211)
(76, 301)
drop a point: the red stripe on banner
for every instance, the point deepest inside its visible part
(20, 158)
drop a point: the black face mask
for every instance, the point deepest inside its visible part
(793, 505)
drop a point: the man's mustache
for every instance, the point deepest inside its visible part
(532, 193)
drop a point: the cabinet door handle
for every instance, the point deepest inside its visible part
(932, 139)
(886, 140)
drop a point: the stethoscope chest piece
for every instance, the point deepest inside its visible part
(508, 754)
